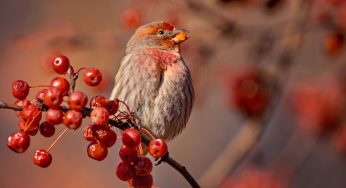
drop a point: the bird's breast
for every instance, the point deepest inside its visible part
(164, 59)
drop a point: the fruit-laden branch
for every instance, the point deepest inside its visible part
(120, 125)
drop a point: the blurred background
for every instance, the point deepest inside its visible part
(269, 76)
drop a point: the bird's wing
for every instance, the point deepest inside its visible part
(137, 81)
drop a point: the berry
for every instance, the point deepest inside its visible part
(31, 111)
(21, 103)
(61, 64)
(158, 148)
(92, 77)
(30, 129)
(124, 171)
(53, 98)
(99, 116)
(18, 141)
(130, 18)
(334, 43)
(131, 137)
(104, 135)
(77, 100)
(249, 95)
(54, 116)
(97, 151)
(73, 119)
(88, 133)
(31, 116)
(47, 129)
(61, 84)
(42, 158)
(143, 166)
(128, 155)
(20, 89)
(112, 106)
(98, 101)
(41, 95)
(143, 181)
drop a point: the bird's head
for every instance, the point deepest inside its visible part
(157, 35)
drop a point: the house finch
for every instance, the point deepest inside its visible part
(154, 80)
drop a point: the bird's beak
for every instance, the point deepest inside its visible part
(180, 35)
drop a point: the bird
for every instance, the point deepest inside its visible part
(154, 81)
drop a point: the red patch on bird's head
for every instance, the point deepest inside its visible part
(153, 28)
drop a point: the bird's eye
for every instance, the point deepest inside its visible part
(161, 32)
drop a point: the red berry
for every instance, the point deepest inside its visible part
(53, 98)
(104, 135)
(99, 116)
(112, 106)
(158, 148)
(61, 64)
(18, 141)
(97, 151)
(142, 181)
(41, 95)
(334, 43)
(128, 155)
(98, 101)
(30, 129)
(124, 171)
(42, 158)
(31, 111)
(47, 129)
(143, 166)
(32, 116)
(88, 133)
(92, 77)
(249, 95)
(20, 89)
(54, 116)
(131, 137)
(73, 119)
(21, 103)
(77, 100)
(130, 18)
(61, 84)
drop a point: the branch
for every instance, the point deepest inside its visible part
(236, 149)
(120, 125)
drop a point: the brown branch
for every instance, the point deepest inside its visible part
(120, 125)
(236, 149)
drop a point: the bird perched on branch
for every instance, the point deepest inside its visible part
(154, 80)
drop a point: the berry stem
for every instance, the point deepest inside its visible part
(77, 72)
(73, 77)
(140, 148)
(56, 140)
(148, 133)
(37, 86)
(27, 126)
(127, 107)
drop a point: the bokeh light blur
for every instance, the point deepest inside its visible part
(269, 78)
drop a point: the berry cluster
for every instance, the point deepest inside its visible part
(62, 104)
(51, 98)
(137, 170)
